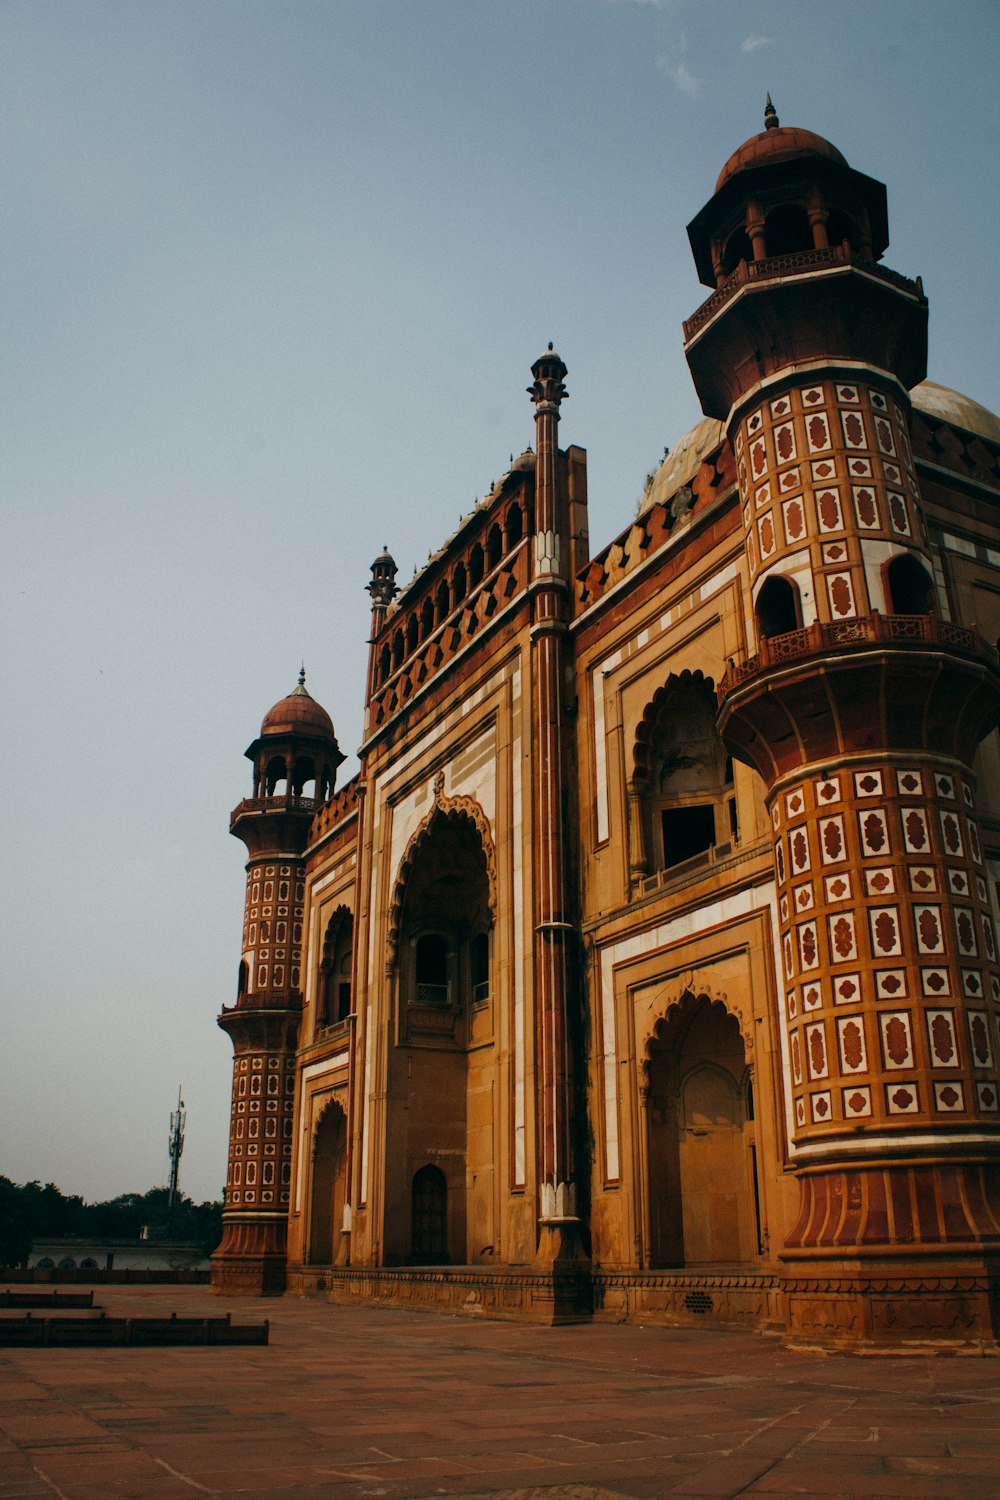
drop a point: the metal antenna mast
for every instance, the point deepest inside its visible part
(176, 1145)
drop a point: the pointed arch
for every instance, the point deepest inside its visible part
(445, 809)
(678, 1010)
(645, 730)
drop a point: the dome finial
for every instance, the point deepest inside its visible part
(771, 121)
(302, 675)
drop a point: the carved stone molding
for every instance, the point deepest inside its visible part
(686, 999)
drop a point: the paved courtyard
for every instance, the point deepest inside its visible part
(380, 1402)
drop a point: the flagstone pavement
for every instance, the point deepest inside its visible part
(397, 1403)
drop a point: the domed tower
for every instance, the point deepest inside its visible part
(861, 709)
(296, 750)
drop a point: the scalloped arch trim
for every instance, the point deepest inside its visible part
(445, 808)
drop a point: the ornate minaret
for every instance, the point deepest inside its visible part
(861, 709)
(296, 747)
(558, 1220)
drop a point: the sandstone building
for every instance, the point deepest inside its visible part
(649, 966)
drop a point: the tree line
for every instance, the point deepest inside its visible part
(30, 1212)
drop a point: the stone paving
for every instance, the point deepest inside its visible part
(399, 1403)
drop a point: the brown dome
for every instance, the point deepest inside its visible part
(299, 711)
(781, 143)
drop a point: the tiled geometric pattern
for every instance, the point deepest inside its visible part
(820, 467)
(891, 984)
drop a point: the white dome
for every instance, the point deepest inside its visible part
(958, 410)
(683, 462)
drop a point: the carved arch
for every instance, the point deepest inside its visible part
(683, 1004)
(643, 744)
(332, 1104)
(453, 808)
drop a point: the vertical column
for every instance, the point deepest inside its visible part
(559, 1237)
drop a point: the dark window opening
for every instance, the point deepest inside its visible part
(241, 979)
(777, 608)
(459, 587)
(909, 587)
(840, 227)
(787, 230)
(480, 968)
(738, 248)
(432, 970)
(687, 831)
(494, 547)
(476, 565)
(514, 526)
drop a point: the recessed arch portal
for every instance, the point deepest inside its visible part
(702, 1188)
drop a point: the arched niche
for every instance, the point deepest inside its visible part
(908, 586)
(684, 801)
(333, 985)
(328, 1185)
(778, 607)
(443, 1083)
(702, 1190)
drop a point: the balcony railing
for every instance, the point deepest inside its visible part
(795, 264)
(857, 634)
(280, 803)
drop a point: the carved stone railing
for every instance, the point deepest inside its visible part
(857, 634)
(800, 261)
(281, 803)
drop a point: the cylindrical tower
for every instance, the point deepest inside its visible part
(296, 750)
(861, 708)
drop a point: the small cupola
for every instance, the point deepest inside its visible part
(787, 192)
(296, 753)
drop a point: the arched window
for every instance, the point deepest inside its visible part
(303, 777)
(429, 1233)
(459, 587)
(88, 1263)
(241, 979)
(494, 547)
(477, 565)
(738, 247)
(909, 588)
(777, 607)
(514, 526)
(442, 602)
(786, 230)
(841, 227)
(431, 969)
(397, 649)
(411, 633)
(275, 775)
(689, 796)
(384, 662)
(334, 994)
(426, 618)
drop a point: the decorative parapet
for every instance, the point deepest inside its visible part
(654, 527)
(470, 615)
(341, 806)
(857, 634)
(797, 264)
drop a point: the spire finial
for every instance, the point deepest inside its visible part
(302, 675)
(771, 121)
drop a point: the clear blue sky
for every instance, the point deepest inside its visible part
(275, 273)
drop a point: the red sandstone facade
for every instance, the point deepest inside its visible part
(649, 966)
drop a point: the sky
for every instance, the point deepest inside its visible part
(275, 272)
